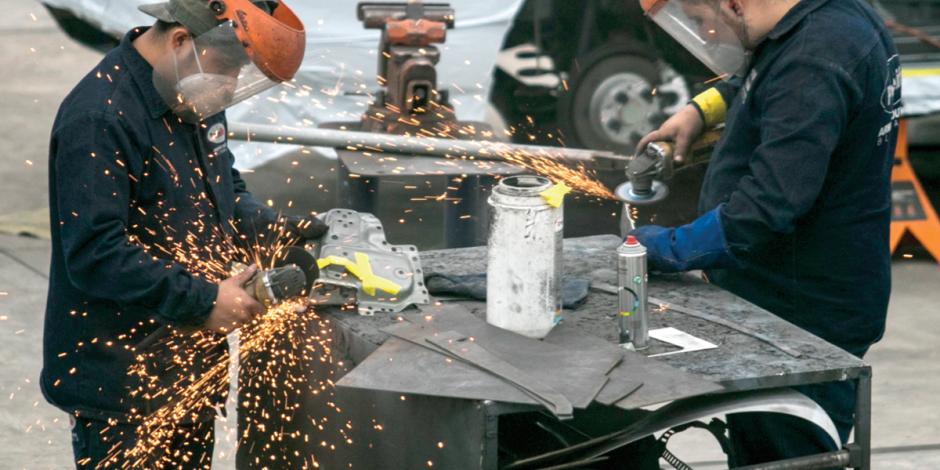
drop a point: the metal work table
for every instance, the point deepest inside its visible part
(391, 428)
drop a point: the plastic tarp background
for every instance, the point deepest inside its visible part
(920, 91)
(337, 77)
(338, 74)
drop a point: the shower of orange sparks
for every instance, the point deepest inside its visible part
(288, 334)
(578, 178)
(270, 349)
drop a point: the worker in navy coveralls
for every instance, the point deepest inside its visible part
(138, 160)
(795, 205)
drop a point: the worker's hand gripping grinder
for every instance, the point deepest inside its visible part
(650, 171)
(292, 277)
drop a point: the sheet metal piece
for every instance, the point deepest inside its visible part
(568, 359)
(626, 389)
(471, 352)
(403, 368)
(701, 408)
(635, 381)
(661, 383)
(423, 337)
(353, 233)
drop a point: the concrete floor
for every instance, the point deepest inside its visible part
(39, 65)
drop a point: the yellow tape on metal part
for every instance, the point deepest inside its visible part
(555, 195)
(362, 269)
(713, 106)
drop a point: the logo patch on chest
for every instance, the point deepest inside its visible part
(216, 133)
(891, 99)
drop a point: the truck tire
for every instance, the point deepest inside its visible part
(611, 103)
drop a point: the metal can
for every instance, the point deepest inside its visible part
(524, 257)
(632, 279)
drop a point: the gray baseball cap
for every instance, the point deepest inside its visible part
(195, 15)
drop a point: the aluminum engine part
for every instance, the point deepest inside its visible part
(358, 265)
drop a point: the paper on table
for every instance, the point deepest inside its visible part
(679, 338)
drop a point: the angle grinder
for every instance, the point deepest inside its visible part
(644, 174)
(292, 277)
(650, 170)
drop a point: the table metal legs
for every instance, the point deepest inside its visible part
(855, 455)
(861, 448)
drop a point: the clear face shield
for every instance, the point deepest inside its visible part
(207, 74)
(250, 51)
(708, 30)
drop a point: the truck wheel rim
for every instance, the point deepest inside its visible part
(621, 108)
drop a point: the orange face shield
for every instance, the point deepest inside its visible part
(274, 42)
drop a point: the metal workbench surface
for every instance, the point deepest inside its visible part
(383, 429)
(740, 362)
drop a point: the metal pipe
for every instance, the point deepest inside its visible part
(416, 146)
(836, 459)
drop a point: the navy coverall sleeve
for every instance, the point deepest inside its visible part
(728, 89)
(251, 216)
(801, 120)
(93, 198)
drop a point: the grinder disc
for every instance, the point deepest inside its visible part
(302, 259)
(625, 193)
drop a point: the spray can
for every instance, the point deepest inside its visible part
(524, 257)
(631, 277)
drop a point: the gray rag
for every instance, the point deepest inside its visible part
(574, 291)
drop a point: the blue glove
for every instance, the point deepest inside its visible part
(699, 245)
